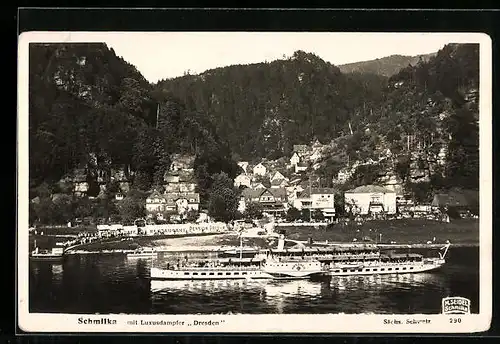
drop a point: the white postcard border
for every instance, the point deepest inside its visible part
(282, 323)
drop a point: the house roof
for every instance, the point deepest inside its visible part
(317, 191)
(172, 197)
(183, 159)
(185, 176)
(300, 148)
(456, 198)
(155, 194)
(369, 189)
(255, 193)
(277, 182)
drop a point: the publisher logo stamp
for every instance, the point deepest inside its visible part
(455, 305)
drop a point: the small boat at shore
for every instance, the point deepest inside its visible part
(143, 252)
(55, 254)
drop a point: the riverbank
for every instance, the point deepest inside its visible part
(464, 232)
(417, 232)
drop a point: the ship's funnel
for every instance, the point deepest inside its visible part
(281, 242)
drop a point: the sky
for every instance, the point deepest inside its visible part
(166, 55)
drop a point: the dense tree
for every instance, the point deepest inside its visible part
(131, 208)
(306, 215)
(253, 211)
(293, 214)
(318, 215)
(223, 198)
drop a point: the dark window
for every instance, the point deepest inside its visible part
(203, 273)
(404, 268)
(344, 270)
(228, 273)
(337, 270)
(186, 273)
(360, 269)
(236, 273)
(390, 269)
(375, 269)
(411, 268)
(382, 269)
(353, 270)
(219, 273)
(243, 273)
(211, 273)
(397, 268)
(367, 269)
(195, 273)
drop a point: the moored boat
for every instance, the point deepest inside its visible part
(143, 252)
(55, 254)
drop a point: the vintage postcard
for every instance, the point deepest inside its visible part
(254, 182)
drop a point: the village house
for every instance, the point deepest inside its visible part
(370, 199)
(182, 162)
(80, 183)
(295, 159)
(175, 203)
(462, 200)
(120, 176)
(277, 176)
(258, 186)
(279, 183)
(343, 175)
(179, 181)
(259, 170)
(300, 168)
(242, 179)
(273, 201)
(322, 199)
(292, 192)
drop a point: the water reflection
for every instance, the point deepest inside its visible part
(113, 283)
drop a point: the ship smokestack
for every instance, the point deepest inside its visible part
(281, 242)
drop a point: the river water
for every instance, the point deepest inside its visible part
(114, 284)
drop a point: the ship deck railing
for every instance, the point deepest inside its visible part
(211, 268)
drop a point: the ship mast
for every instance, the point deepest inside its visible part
(310, 197)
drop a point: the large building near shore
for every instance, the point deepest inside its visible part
(372, 199)
(173, 203)
(273, 200)
(322, 199)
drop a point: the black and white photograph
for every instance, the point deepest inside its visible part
(251, 181)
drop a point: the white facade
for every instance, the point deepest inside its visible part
(319, 199)
(242, 179)
(299, 168)
(260, 170)
(295, 159)
(375, 200)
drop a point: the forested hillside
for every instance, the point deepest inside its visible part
(385, 66)
(90, 108)
(264, 109)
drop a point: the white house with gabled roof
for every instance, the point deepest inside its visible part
(370, 199)
(260, 169)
